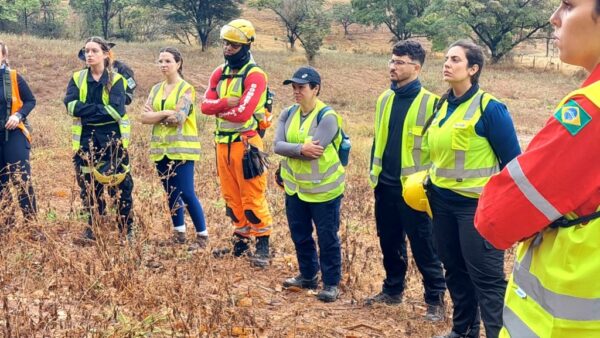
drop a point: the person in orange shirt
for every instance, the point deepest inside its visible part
(548, 198)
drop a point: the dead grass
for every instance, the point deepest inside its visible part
(54, 288)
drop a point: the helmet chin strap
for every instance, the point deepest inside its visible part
(239, 59)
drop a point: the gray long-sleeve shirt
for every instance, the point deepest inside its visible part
(325, 132)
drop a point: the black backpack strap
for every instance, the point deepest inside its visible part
(436, 109)
(565, 223)
(7, 91)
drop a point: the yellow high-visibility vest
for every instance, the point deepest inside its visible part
(553, 290)
(318, 180)
(175, 142)
(414, 153)
(80, 79)
(461, 160)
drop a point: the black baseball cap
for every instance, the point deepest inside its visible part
(81, 54)
(304, 75)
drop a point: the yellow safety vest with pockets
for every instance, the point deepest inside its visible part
(462, 161)
(318, 180)
(175, 142)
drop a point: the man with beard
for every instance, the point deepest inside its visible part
(236, 97)
(398, 150)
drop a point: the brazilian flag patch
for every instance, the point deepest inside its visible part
(572, 117)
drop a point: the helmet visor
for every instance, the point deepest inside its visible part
(233, 34)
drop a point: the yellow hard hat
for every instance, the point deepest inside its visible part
(413, 192)
(105, 174)
(238, 30)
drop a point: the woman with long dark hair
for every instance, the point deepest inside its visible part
(471, 138)
(95, 99)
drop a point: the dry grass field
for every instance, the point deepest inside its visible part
(57, 289)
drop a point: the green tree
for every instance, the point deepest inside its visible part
(312, 31)
(203, 15)
(100, 10)
(498, 24)
(292, 14)
(8, 14)
(343, 14)
(26, 9)
(304, 20)
(399, 16)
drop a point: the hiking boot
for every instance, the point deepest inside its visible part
(329, 293)
(200, 243)
(240, 247)
(261, 257)
(177, 238)
(384, 298)
(301, 282)
(435, 313)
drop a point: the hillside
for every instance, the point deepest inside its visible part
(57, 289)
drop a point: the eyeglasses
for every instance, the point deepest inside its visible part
(400, 62)
(233, 45)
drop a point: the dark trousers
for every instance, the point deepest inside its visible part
(474, 269)
(92, 191)
(15, 167)
(178, 180)
(395, 220)
(326, 217)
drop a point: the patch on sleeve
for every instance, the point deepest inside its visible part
(572, 117)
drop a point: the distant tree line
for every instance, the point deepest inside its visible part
(500, 25)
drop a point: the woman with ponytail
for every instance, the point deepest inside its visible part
(175, 145)
(16, 102)
(471, 138)
(95, 99)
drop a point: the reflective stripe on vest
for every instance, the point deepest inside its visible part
(515, 326)
(318, 180)
(80, 79)
(11, 92)
(412, 134)
(232, 87)
(175, 142)
(456, 138)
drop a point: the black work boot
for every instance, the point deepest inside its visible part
(329, 293)
(384, 298)
(261, 257)
(301, 282)
(240, 247)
